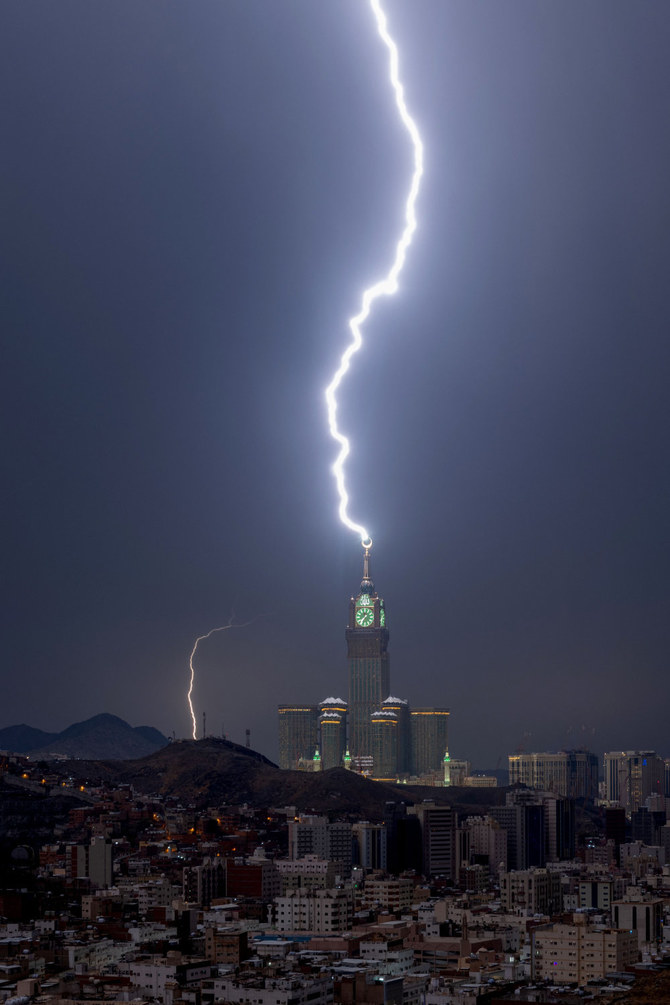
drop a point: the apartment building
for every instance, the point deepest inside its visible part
(579, 952)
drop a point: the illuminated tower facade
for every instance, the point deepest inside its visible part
(333, 732)
(367, 654)
(384, 738)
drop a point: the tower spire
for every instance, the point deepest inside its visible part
(367, 586)
(446, 765)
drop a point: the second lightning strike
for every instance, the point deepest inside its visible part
(383, 287)
(201, 638)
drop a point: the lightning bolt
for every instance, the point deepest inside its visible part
(383, 287)
(201, 638)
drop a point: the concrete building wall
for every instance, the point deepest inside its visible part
(580, 953)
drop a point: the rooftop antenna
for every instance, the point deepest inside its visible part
(248, 735)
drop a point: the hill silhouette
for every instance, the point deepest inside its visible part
(209, 771)
(102, 736)
(22, 738)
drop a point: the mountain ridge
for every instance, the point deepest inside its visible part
(100, 737)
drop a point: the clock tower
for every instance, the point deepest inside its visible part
(367, 653)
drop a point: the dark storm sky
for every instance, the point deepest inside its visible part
(193, 197)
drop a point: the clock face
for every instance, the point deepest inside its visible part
(364, 600)
(365, 616)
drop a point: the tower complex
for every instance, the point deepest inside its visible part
(374, 732)
(367, 654)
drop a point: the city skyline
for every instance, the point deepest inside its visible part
(194, 197)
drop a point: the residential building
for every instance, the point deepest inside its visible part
(226, 946)
(307, 873)
(256, 877)
(205, 882)
(390, 894)
(150, 976)
(488, 843)
(92, 862)
(531, 891)
(388, 954)
(313, 835)
(296, 989)
(439, 826)
(523, 817)
(369, 845)
(642, 917)
(323, 911)
(580, 952)
(596, 894)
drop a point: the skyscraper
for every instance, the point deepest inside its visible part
(367, 653)
(571, 773)
(438, 838)
(333, 732)
(374, 733)
(523, 817)
(401, 709)
(632, 775)
(384, 739)
(430, 741)
(297, 734)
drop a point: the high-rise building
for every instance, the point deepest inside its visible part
(524, 820)
(403, 839)
(488, 843)
(643, 918)
(367, 638)
(401, 710)
(531, 891)
(333, 732)
(312, 835)
(370, 845)
(429, 729)
(633, 775)
(570, 773)
(373, 733)
(439, 826)
(298, 726)
(384, 740)
(559, 815)
(202, 883)
(91, 861)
